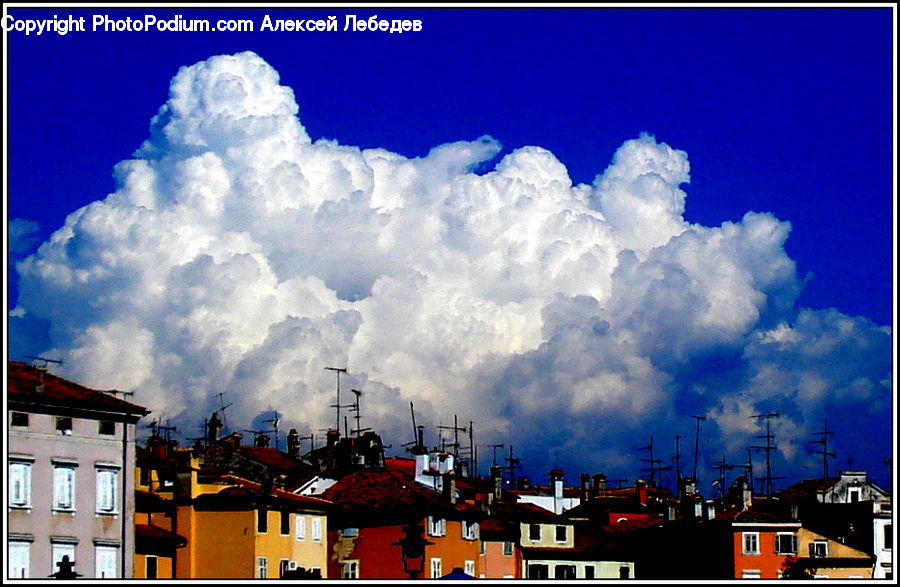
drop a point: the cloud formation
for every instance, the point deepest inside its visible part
(238, 256)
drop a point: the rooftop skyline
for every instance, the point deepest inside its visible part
(577, 228)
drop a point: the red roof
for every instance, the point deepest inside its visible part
(808, 489)
(269, 456)
(23, 381)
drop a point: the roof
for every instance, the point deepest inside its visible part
(808, 489)
(23, 381)
(270, 457)
(242, 495)
(151, 539)
(384, 493)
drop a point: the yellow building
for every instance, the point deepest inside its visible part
(220, 526)
(824, 558)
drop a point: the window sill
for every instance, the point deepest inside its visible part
(56, 511)
(106, 514)
(21, 507)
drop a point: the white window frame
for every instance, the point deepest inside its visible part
(851, 491)
(556, 533)
(435, 568)
(262, 567)
(469, 568)
(350, 569)
(300, 527)
(316, 529)
(508, 548)
(437, 526)
(58, 550)
(750, 574)
(19, 484)
(815, 548)
(754, 536)
(64, 487)
(779, 538)
(19, 561)
(106, 562)
(469, 530)
(107, 490)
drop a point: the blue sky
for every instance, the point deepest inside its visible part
(780, 111)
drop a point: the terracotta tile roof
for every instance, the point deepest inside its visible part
(383, 493)
(23, 380)
(633, 524)
(271, 457)
(242, 495)
(808, 489)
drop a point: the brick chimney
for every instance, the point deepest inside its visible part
(293, 443)
(599, 487)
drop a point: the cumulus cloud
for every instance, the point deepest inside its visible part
(238, 256)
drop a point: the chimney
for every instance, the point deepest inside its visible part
(496, 483)
(640, 491)
(585, 487)
(746, 494)
(293, 443)
(236, 438)
(39, 384)
(448, 487)
(686, 486)
(261, 441)
(213, 428)
(331, 438)
(523, 483)
(709, 512)
(599, 489)
(156, 446)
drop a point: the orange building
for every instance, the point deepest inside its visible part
(374, 509)
(761, 544)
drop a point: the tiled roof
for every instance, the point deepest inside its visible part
(385, 493)
(241, 495)
(23, 381)
(808, 489)
(271, 457)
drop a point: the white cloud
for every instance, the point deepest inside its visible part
(238, 256)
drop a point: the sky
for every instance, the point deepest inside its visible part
(574, 228)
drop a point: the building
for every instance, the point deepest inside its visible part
(71, 456)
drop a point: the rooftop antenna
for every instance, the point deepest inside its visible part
(44, 360)
(337, 405)
(825, 435)
(651, 461)
(768, 448)
(456, 430)
(166, 430)
(722, 467)
(677, 459)
(619, 482)
(359, 430)
(221, 410)
(274, 422)
(697, 444)
(418, 443)
(495, 447)
(512, 466)
(748, 467)
(311, 438)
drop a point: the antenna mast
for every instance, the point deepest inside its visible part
(337, 405)
(769, 447)
(825, 435)
(697, 444)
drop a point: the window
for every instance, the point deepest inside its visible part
(469, 530)
(317, 529)
(106, 490)
(18, 419)
(785, 543)
(152, 566)
(435, 568)
(59, 550)
(350, 570)
(300, 527)
(751, 542)
(285, 523)
(106, 428)
(284, 565)
(64, 425)
(262, 567)
(818, 549)
(564, 572)
(19, 560)
(469, 568)
(507, 548)
(538, 572)
(436, 526)
(534, 532)
(854, 493)
(624, 572)
(560, 533)
(589, 571)
(64, 488)
(145, 476)
(19, 485)
(350, 532)
(262, 520)
(106, 557)
(750, 575)
(888, 536)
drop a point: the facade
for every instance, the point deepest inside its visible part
(71, 477)
(820, 557)
(761, 547)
